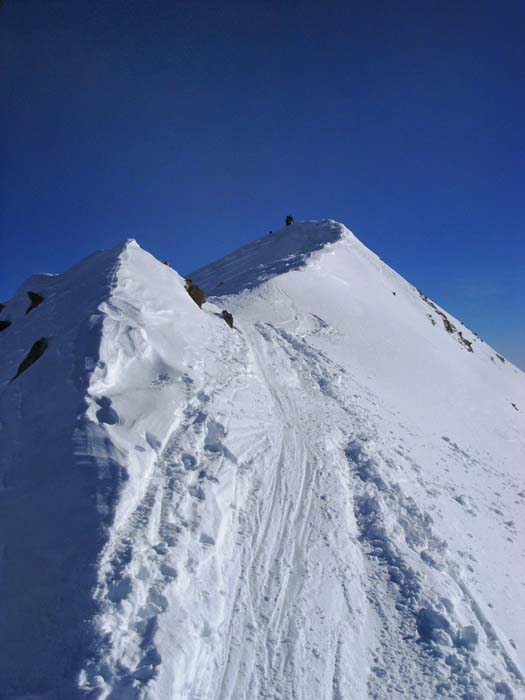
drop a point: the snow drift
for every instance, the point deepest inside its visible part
(323, 502)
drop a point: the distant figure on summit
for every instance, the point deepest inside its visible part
(289, 220)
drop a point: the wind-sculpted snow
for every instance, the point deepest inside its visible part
(323, 502)
(275, 254)
(59, 480)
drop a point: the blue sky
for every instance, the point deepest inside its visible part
(195, 127)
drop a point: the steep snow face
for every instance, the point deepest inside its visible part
(120, 321)
(323, 502)
(51, 522)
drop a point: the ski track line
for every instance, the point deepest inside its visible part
(293, 522)
(468, 680)
(264, 633)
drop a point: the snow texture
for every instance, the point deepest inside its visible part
(324, 502)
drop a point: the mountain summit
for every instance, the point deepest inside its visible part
(324, 501)
(270, 256)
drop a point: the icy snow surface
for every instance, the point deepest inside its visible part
(325, 502)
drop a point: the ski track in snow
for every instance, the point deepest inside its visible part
(403, 604)
(276, 521)
(322, 513)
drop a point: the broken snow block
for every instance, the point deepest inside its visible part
(35, 299)
(37, 350)
(430, 625)
(4, 325)
(226, 315)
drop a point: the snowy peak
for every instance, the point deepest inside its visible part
(342, 270)
(89, 383)
(275, 254)
(322, 501)
(64, 303)
(63, 307)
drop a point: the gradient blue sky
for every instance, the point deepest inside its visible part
(196, 126)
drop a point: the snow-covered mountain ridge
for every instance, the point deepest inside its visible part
(324, 501)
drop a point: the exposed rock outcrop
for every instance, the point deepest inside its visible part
(37, 350)
(36, 299)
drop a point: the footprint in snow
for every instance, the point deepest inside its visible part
(169, 572)
(199, 419)
(189, 462)
(466, 503)
(162, 380)
(206, 539)
(215, 433)
(119, 590)
(213, 442)
(197, 492)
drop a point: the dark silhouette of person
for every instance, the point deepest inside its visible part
(227, 316)
(289, 220)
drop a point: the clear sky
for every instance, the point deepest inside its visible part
(195, 127)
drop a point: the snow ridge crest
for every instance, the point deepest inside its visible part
(275, 254)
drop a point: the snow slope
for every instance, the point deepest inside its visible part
(324, 502)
